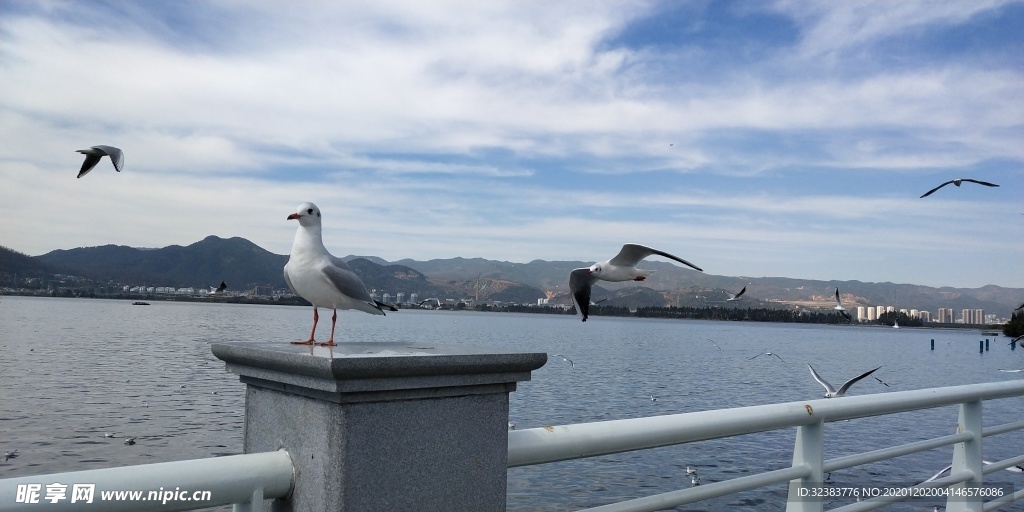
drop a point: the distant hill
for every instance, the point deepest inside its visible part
(241, 263)
(236, 261)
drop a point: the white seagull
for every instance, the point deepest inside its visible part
(957, 183)
(95, 153)
(737, 296)
(566, 360)
(831, 391)
(620, 268)
(1012, 469)
(325, 281)
(769, 354)
(839, 307)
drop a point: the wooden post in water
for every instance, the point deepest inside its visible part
(986, 344)
(933, 343)
(981, 346)
(382, 426)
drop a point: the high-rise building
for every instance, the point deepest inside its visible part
(979, 316)
(862, 314)
(925, 316)
(871, 314)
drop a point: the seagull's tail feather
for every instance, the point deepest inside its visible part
(383, 305)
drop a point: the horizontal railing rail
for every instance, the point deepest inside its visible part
(567, 442)
(241, 480)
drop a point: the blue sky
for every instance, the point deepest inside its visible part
(752, 138)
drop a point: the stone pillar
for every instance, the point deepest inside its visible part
(382, 426)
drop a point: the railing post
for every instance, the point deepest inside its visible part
(382, 426)
(967, 457)
(808, 450)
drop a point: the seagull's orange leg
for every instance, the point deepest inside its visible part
(334, 320)
(310, 341)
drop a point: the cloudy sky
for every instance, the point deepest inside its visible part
(753, 138)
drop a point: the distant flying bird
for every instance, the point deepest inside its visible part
(129, 441)
(831, 391)
(1012, 469)
(325, 281)
(566, 360)
(839, 307)
(95, 153)
(737, 296)
(1012, 371)
(957, 182)
(716, 345)
(654, 398)
(620, 268)
(109, 434)
(10, 455)
(220, 289)
(769, 354)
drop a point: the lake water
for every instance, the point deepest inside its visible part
(73, 369)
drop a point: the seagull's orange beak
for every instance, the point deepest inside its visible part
(294, 216)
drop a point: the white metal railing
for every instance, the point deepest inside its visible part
(566, 442)
(243, 480)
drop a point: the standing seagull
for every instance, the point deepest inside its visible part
(839, 307)
(737, 296)
(831, 391)
(325, 281)
(95, 153)
(620, 268)
(957, 182)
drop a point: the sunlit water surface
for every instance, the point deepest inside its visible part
(74, 369)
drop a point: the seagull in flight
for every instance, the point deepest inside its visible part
(716, 345)
(10, 455)
(831, 391)
(566, 359)
(1011, 371)
(220, 289)
(620, 268)
(325, 281)
(769, 354)
(1012, 469)
(839, 307)
(957, 182)
(737, 296)
(95, 153)
(129, 441)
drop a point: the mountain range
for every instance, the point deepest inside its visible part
(243, 264)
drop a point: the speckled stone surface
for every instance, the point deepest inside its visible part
(382, 426)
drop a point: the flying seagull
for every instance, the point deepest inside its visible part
(129, 441)
(839, 307)
(1011, 371)
(620, 268)
(1012, 469)
(716, 345)
(10, 455)
(220, 289)
(737, 296)
(325, 281)
(566, 360)
(831, 391)
(95, 153)
(957, 182)
(769, 354)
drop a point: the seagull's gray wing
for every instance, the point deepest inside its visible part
(738, 295)
(838, 303)
(115, 154)
(979, 182)
(348, 283)
(580, 282)
(845, 314)
(823, 382)
(852, 381)
(631, 254)
(926, 194)
(90, 161)
(937, 475)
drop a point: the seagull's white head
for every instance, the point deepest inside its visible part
(595, 269)
(307, 214)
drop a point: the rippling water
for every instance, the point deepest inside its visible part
(73, 369)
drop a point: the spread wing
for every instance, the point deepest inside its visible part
(854, 380)
(979, 182)
(740, 294)
(88, 164)
(631, 254)
(926, 194)
(580, 282)
(828, 387)
(115, 154)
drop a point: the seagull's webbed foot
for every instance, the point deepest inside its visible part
(310, 341)
(328, 343)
